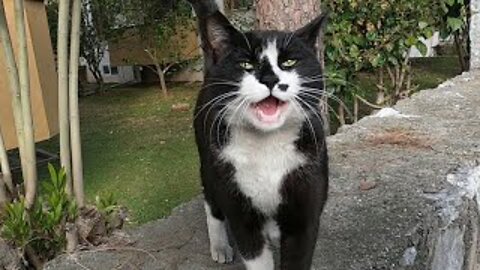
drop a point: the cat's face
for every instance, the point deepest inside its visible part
(264, 80)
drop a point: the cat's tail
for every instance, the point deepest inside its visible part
(204, 8)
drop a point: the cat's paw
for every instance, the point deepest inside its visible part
(222, 254)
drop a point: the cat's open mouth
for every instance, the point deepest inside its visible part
(269, 109)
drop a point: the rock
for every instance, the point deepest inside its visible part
(367, 185)
(91, 226)
(181, 107)
(9, 259)
(409, 257)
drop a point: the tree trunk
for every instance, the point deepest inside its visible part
(291, 15)
(355, 109)
(30, 179)
(97, 74)
(460, 51)
(286, 14)
(163, 84)
(381, 87)
(14, 84)
(63, 111)
(77, 165)
(341, 115)
(159, 70)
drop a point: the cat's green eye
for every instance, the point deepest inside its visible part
(289, 63)
(247, 66)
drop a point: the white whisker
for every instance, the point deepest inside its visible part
(312, 129)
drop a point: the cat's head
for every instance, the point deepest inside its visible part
(261, 79)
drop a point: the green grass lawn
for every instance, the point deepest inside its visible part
(136, 147)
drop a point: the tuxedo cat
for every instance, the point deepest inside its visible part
(264, 164)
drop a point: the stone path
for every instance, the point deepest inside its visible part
(416, 207)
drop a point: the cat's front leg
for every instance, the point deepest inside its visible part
(297, 248)
(253, 246)
(220, 248)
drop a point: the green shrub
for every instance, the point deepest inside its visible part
(375, 35)
(41, 228)
(41, 232)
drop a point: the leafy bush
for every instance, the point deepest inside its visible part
(453, 22)
(41, 228)
(373, 35)
(41, 232)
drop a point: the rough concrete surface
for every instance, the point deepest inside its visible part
(8, 257)
(418, 209)
(475, 33)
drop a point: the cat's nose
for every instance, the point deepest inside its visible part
(283, 87)
(270, 81)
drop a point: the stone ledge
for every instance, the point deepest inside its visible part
(418, 212)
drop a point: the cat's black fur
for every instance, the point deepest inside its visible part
(303, 190)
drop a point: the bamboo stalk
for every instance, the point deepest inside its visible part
(5, 175)
(62, 61)
(77, 166)
(30, 179)
(14, 84)
(5, 165)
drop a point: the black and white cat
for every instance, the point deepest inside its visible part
(264, 164)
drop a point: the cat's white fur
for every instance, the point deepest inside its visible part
(220, 249)
(262, 262)
(261, 162)
(271, 231)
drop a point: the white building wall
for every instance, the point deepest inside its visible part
(431, 43)
(111, 74)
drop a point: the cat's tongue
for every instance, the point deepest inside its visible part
(268, 106)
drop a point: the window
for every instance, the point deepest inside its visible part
(106, 69)
(114, 70)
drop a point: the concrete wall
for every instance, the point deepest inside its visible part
(43, 76)
(475, 34)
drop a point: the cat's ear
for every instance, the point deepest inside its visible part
(312, 31)
(217, 35)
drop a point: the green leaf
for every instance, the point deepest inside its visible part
(455, 24)
(53, 174)
(422, 25)
(450, 2)
(411, 41)
(422, 48)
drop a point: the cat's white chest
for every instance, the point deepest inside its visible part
(261, 164)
